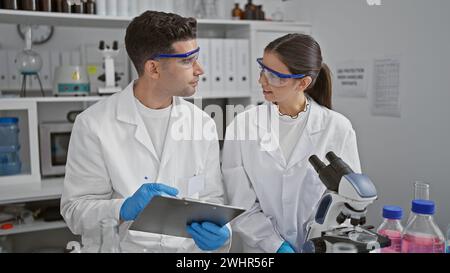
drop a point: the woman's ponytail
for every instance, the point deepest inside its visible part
(321, 88)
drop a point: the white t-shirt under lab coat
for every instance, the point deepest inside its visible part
(156, 122)
(290, 131)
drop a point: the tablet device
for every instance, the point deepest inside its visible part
(170, 215)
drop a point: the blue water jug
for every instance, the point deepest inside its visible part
(9, 146)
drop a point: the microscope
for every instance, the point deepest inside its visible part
(341, 212)
(110, 77)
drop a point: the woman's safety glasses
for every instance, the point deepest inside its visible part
(275, 78)
(187, 60)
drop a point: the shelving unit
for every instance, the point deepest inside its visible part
(46, 190)
(37, 225)
(97, 21)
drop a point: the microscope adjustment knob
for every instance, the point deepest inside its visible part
(354, 221)
(362, 221)
(341, 218)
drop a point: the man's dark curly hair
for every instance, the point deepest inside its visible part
(153, 33)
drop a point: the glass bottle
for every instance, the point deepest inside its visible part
(250, 11)
(109, 240)
(89, 7)
(447, 248)
(237, 12)
(392, 228)
(422, 235)
(260, 15)
(45, 5)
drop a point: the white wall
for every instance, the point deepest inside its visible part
(394, 151)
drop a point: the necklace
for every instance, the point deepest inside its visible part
(298, 114)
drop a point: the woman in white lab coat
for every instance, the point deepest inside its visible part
(266, 151)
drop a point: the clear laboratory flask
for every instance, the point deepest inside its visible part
(421, 192)
(109, 240)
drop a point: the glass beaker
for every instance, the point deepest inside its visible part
(109, 240)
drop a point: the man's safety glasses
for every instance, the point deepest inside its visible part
(275, 78)
(187, 59)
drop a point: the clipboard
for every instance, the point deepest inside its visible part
(170, 215)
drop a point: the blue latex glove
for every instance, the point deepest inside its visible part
(286, 248)
(208, 236)
(134, 204)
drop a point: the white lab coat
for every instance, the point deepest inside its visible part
(280, 195)
(110, 153)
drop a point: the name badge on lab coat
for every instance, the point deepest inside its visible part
(195, 185)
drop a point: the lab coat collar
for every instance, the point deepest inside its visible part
(127, 112)
(304, 147)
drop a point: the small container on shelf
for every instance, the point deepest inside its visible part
(89, 7)
(10, 4)
(237, 13)
(29, 5)
(45, 5)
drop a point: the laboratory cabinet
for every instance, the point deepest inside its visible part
(229, 50)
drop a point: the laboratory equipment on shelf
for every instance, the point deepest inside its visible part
(341, 212)
(110, 77)
(28, 63)
(392, 228)
(9, 146)
(71, 80)
(422, 235)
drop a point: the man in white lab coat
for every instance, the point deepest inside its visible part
(146, 141)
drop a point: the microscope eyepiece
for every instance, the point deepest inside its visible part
(331, 156)
(101, 46)
(316, 163)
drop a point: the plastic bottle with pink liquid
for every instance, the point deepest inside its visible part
(422, 235)
(392, 228)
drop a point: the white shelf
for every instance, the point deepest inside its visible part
(61, 19)
(37, 225)
(54, 99)
(90, 20)
(46, 190)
